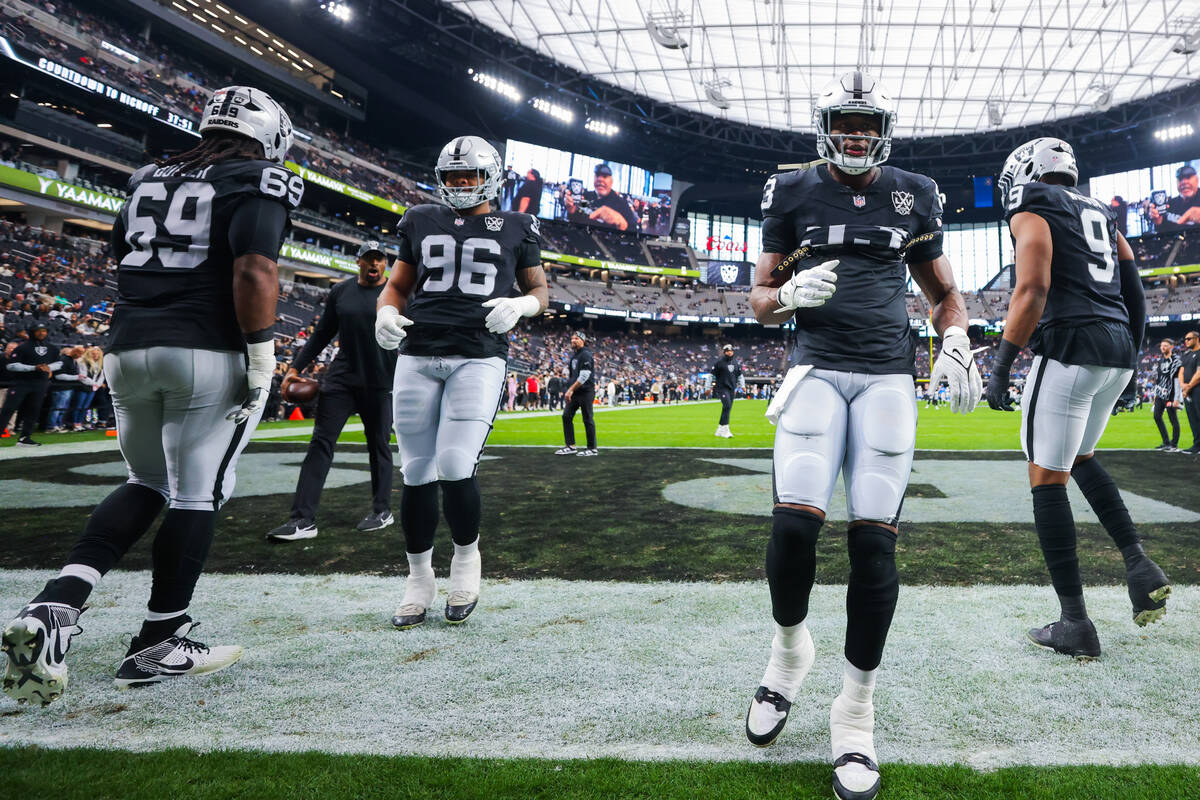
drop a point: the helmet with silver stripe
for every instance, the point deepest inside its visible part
(252, 113)
(1032, 160)
(469, 153)
(854, 93)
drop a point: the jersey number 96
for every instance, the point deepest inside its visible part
(448, 265)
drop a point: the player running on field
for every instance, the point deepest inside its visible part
(839, 242)
(1078, 303)
(448, 306)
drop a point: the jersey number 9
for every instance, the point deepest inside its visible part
(447, 265)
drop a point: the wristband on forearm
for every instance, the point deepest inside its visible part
(258, 337)
(1006, 353)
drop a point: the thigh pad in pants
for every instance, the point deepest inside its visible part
(416, 409)
(810, 442)
(470, 400)
(880, 438)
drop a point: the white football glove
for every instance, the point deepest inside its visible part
(389, 327)
(260, 368)
(956, 366)
(507, 311)
(809, 288)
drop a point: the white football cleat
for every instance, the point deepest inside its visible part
(772, 702)
(852, 734)
(36, 645)
(419, 593)
(173, 657)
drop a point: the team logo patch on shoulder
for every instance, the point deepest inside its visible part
(903, 202)
(494, 224)
(859, 201)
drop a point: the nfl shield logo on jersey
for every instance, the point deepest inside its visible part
(459, 221)
(859, 201)
(494, 224)
(729, 273)
(903, 201)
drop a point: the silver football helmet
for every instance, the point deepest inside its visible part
(252, 113)
(854, 93)
(1032, 160)
(469, 153)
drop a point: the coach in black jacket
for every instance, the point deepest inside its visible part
(580, 394)
(358, 380)
(727, 379)
(29, 368)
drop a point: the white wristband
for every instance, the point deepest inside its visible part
(953, 330)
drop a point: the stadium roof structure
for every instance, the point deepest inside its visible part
(954, 67)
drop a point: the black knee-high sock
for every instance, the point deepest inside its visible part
(871, 595)
(1056, 534)
(114, 526)
(180, 549)
(419, 516)
(1105, 499)
(792, 563)
(463, 509)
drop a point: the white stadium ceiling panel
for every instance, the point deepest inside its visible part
(954, 67)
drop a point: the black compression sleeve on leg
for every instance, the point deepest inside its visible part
(113, 527)
(1105, 499)
(463, 509)
(419, 516)
(792, 562)
(871, 595)
(1056, 534)
(180, 548)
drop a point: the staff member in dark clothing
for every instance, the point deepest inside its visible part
(29, 368)
(1189, 377)
(727, 379)
(581, 392)
(1166, 395)
(359, 380)
(555, 386)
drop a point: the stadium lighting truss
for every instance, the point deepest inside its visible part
(1174, 132)
(601, 127)
(954, 68)
(503, 88)
(553, 110)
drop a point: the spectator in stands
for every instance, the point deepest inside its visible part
(602, 206)
(63, 383)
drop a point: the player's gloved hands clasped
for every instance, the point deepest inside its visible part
(507, 311)
(260, 368)
(997, 388)
(389, 327)
(810, 287)
(956, 366)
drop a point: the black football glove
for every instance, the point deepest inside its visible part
(997, 387)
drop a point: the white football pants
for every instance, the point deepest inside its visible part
(1065, 408)
(861, 425)
(444, 410)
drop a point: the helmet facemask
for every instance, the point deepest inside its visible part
(830, 145)
(464, 197)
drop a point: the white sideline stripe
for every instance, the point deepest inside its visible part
(557, 669)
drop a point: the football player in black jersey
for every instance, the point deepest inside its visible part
(1078, 303)
(448, 306)
(839, 242)
(189, 367)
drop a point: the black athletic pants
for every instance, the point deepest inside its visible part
(334, 406)
(581, 399)
(1192, 407)
(26, 397)
(1160, 405)
(726, 398)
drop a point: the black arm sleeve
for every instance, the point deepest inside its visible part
(1134, 298)
(529, 254)
(120, 247)
(257, 226)
(323, 334)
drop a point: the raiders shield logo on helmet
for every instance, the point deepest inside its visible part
(859, 201)
(903, 202)
(494, 224)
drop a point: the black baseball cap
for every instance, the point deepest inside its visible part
(38, 326)
(603, 169)
(1186, 171)
(370, 247)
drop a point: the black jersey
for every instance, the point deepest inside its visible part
(349, 316)
(461, 263)
(176, 239)
(1166, 387)
(873, 232)
(1085, 320)
(727, 374)
(583, 370)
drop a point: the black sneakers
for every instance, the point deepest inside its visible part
(294, 529)
(376, 520)
(1073, 638)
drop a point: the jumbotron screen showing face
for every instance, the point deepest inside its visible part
(555, 184)
(1162, 199)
